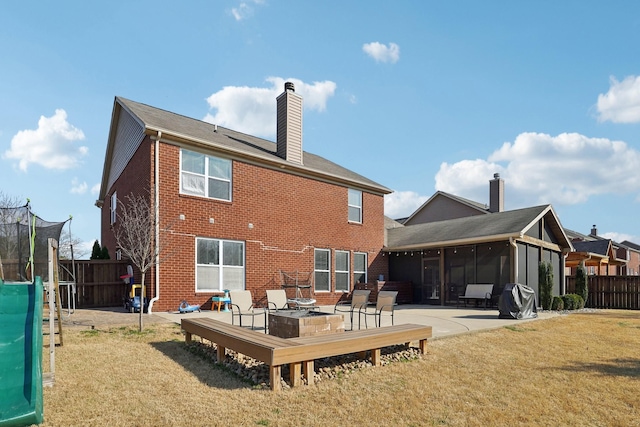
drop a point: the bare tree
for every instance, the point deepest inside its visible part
(134, 233)
(70, 246)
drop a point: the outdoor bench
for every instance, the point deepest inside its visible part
(477, 292)
(300, 353)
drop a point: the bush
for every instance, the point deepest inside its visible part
(557, 304)
(545, 284)
(572, 302)
(582, 282)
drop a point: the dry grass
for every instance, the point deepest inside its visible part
(577, 370)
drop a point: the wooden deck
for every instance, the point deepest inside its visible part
(300, 353)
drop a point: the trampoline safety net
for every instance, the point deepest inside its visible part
(22, 232)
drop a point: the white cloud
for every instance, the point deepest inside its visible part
(400, 204)
(538, 169)
(619, 237)
(622, 103)
(78, 187)
(252, 110)
(381, 52)
(96, 188)
(245, 9)
(51, 145)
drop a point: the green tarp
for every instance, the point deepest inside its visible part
(21, 401)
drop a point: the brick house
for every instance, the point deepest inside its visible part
(602, 256)
(234, 210)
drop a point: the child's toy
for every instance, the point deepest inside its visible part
(186, 308)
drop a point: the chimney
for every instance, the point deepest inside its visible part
(289, 125)
(496, 194)
(594, 230)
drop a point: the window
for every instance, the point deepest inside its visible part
(322, 269)
(342, 271)
(219, 265)
(359, 267)
(206, 176)
(114, 204)
(355, 205)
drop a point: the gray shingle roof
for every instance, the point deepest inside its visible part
(208, 135)
(477, 228)
(600, 247)
(631, 245)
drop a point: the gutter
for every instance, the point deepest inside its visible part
(156, 196)
(457, 242)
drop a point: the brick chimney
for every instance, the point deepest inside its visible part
(496, 194)
(594, 230)
(289, 125)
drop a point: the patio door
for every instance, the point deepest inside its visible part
(430, 281)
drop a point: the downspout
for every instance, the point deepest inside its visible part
(563, 290)
(514, 276)
(156, 195)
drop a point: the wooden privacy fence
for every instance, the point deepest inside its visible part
(621, 292)
(98, 282)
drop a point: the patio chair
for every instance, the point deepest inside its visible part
(277, 300)
(359, 298)
(242, 305)
(385, 304)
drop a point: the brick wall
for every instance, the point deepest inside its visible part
(281, 218)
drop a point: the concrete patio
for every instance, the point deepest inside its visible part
(445, 321)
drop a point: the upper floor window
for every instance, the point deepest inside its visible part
(112, 208)
(206, 176)
(355, 205)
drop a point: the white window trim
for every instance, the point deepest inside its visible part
(359, 207)
(328, 270)
(207, 176)
(113, 207)
(221, 267)
(343, 272)
(366, 260)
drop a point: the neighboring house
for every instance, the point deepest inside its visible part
(633, 264)
(239, 209)
(451, 242)
(601, 256)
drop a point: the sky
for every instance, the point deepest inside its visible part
(418, 96)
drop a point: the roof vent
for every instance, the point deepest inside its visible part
(289, 86)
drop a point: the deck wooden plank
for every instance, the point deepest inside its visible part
(300, 353)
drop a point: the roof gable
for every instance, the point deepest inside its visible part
(443, 206)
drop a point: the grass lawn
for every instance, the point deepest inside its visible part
(581, 369)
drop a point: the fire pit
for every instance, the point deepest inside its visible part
(304, 323)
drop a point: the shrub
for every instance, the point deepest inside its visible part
(545, 284)
(557, 304)
(582, 287)
(572, 302)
